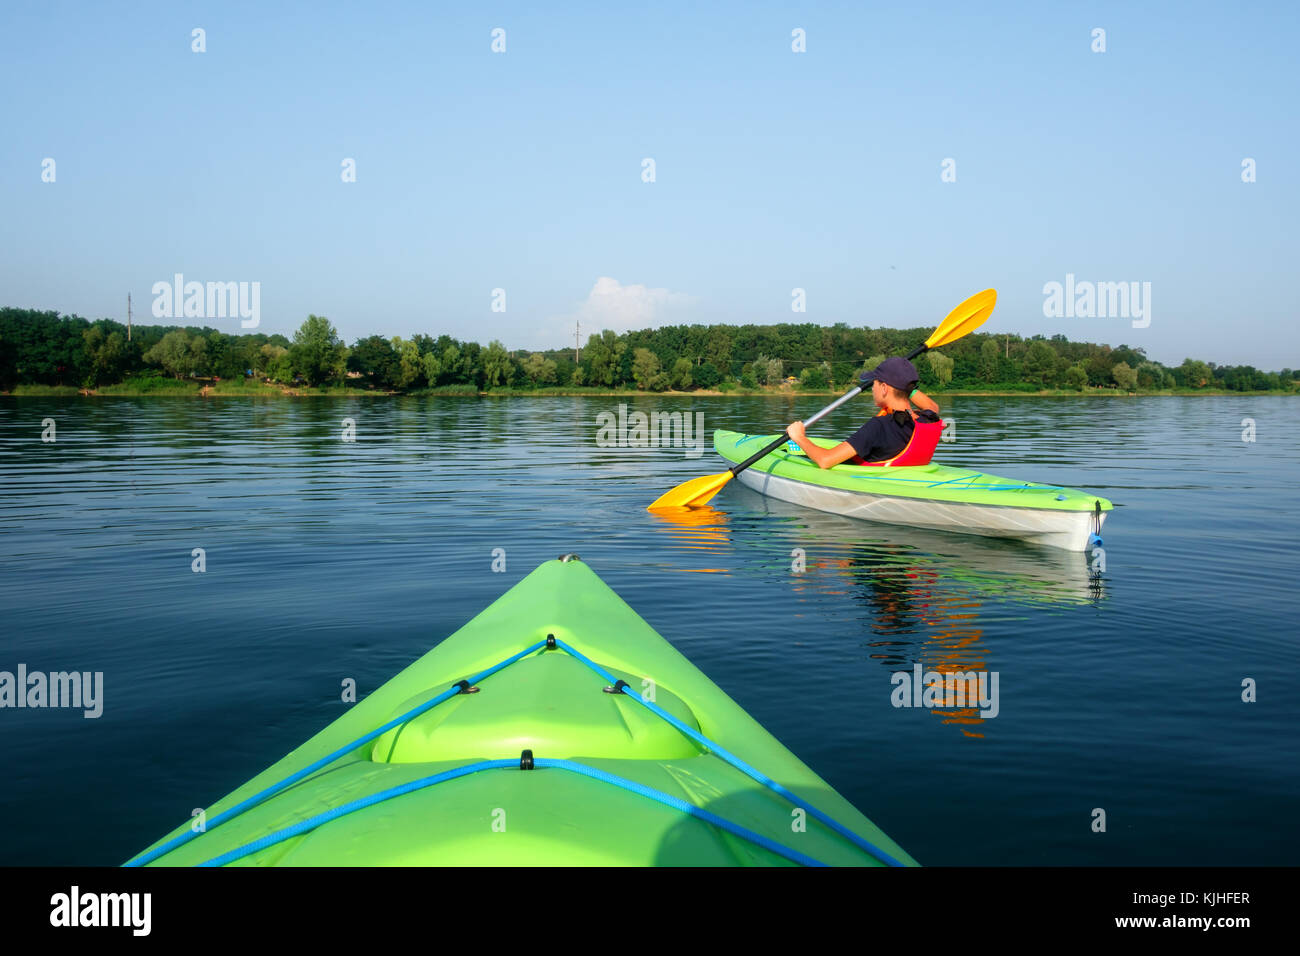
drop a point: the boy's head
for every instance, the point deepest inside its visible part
(888, 391)
(893, 378)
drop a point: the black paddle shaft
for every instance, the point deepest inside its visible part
(737, 469)
(785, 436)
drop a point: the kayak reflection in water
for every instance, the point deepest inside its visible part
(893, 386)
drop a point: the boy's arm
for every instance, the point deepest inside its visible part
(922, 400)
(824, 457)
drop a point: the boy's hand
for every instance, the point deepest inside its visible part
(795, 431)
(922, 400)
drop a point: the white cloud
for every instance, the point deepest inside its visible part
(612, 305)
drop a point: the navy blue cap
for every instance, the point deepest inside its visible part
(896, 371)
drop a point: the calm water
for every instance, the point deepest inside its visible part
(327, 559)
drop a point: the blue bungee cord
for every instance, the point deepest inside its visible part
(572, 766)
(262, 795)
(736, 762)
(619, 686)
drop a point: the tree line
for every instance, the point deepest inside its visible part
(47, 348)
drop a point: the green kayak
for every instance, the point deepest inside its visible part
(556, 727)
(923, 496)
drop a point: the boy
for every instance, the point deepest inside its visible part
(893, 386)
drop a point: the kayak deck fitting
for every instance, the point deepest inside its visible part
(927, 496)
(556, 727)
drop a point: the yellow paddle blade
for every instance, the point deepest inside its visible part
(691, 493)
(964, 319)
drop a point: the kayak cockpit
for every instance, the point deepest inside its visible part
(549, 702)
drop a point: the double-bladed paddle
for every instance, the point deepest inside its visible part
(966, 318)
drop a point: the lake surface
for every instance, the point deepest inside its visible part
(327, 559)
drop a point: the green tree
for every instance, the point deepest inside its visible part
(452, 366)
(645, 368)
(410, 367)
(498, 366)
(706, 375)
(1196, 374)
(1150, 375)
(168, 353)
(623, 375)
(604, 357)
(8, 365)
(680, 378)
(198, 346)
(217, 360)
(471, 364)
(1040, 363)
(539, 369)
(990, 361)
(243, 354)
(717, 347)
(177, 353)
(432, 367)
(105, 356)
(317, 354)
(275, 363)
(1099, 365)
(375, 359)
(815, 376)
(1125, 377)
(1076, 377)
(940, 367)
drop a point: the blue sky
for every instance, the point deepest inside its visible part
(774, 170)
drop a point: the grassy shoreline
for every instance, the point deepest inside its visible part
(244, 389)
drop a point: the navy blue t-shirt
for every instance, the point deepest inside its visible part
(883, 437)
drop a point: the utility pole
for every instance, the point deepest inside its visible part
(577, 350)
(128, 316)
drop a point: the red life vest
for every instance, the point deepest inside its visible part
(918, 450)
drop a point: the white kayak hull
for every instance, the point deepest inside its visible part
(1070, 530)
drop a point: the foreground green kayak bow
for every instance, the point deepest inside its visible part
(554, 728)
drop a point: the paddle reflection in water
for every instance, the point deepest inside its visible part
(703, 528)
